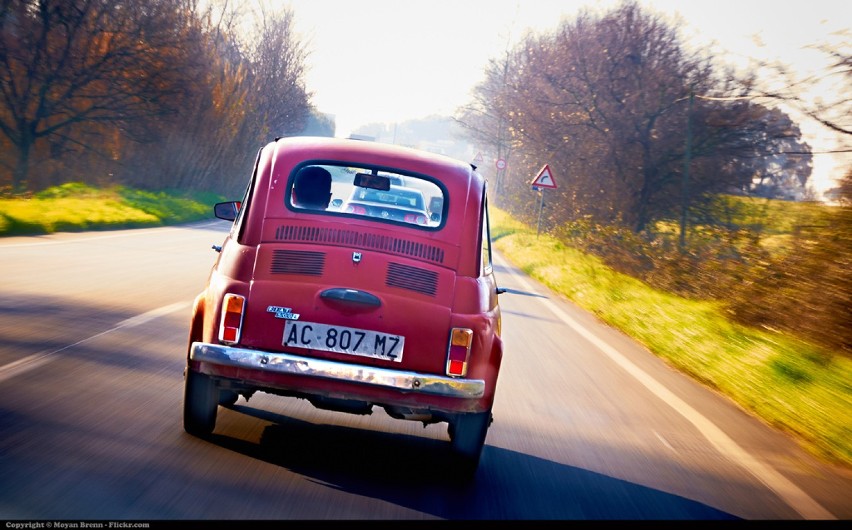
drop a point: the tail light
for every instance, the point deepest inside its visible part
(458, 351)
(232, 318)
(415, 218)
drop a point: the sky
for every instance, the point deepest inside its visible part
(395, 60)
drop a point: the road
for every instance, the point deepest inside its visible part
(587, 423)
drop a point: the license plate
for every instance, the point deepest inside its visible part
(340, 339)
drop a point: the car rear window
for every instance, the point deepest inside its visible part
(379, 194)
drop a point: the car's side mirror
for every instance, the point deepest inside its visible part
(226, 210)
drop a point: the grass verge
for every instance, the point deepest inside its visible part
(76, 207)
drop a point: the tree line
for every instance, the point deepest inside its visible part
(156, 94)
(645, 138)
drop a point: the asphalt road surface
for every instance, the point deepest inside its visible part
(587, 424)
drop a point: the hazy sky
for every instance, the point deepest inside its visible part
(394, 60)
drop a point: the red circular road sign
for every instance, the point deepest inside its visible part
(501, 164)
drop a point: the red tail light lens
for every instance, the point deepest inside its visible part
(458, 351)
(232, 318)
(415, 219)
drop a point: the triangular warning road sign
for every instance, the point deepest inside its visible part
(544, 179)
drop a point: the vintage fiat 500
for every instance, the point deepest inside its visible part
(337, 285)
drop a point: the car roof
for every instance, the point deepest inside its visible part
(396, 156)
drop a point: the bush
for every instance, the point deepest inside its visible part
(790, 273)
(806, 290)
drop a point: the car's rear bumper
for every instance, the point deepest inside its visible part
(284, 363)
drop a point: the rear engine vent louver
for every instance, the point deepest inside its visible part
(352, 238)
(297, 262)
(412, 278)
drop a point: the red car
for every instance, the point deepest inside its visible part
(348, 309)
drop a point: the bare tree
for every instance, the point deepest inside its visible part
(277, 57)
(833, 110)
(486, 118)
(824, 96)
(208, 144)
(246, 88)
(69, 64)
(618, 108)
(603, 100)
(771, 157)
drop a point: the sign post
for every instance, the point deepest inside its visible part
(540, 183)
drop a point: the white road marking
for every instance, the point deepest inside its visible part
(664, 441)
(32, 362)
(797, 499)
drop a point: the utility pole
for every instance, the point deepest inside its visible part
(684, 184)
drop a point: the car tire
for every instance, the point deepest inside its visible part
(467, 439)
(228, 397)
(200, 404)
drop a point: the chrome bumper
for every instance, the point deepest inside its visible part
(286, 363)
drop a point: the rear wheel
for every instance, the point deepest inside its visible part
(200, 403)
(467, 438)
